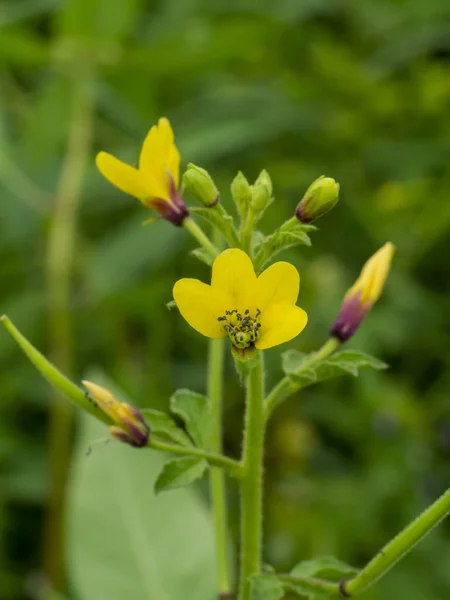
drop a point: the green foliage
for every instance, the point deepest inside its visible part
(282, 240)
(297, 365)
(324, 567)
(195, 411)
(179, 472)
(266, 587)
(162, 426)
(125, 541)
(220, 220)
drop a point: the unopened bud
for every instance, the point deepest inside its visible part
(241, 192)
(130, 426)
(363, 294)
(200, 185)
(320, 197)
(261, 192)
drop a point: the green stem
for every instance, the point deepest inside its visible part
(218, 460)
(287, 386)
(60, 252)
(200, 236)
(251, 482)
(398, 547)
(216, 476)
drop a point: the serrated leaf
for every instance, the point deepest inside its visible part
(266, 587)
(164, 427)
(203, 255)
(220, 220)
(195, 411)
(281, 240)
(324, 567)
(180, 472)
(297, 365)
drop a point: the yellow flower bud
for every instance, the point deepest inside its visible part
(130, 427)
(200, 185)
(363, 294)
(320, 197)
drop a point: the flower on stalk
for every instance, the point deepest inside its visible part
(254, 312)
(321, 196)
(198, 182)
(363, 294)
(155, 182)
(130, 426)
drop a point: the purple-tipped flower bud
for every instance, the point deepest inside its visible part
(199, 184)
(130, 426)
(363, 294)
(320, 197)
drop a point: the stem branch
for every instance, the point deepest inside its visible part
(200, 236)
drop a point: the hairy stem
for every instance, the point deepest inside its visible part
(60, 252)
(251, 482)
(217, 460)
(398, 547)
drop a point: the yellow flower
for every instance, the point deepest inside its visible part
(155, 182)
(364, 293)
(252, 311)
(130, 427)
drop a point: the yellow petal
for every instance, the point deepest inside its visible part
(279, 283)
(280, 323)
(201, 305)
(233, 275)
(370, 283)
(159, 155)
(123, 176)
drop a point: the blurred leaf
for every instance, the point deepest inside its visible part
(179, 472)
(163, 426)
(125, 542)
(324, 567)
(195, 411)
(347, 362)
(203, 255)
(266, 587)
(281, 240)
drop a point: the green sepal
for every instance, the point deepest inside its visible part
(220, 220)
(179, 472)
(164, 428)
(195, 411)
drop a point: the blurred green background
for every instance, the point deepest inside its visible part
(359, 91)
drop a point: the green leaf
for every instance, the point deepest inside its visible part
(164, 427)
(220, 220)
(203, 255)
(180, 472)
(195, 411)
(266, 587)
(324, 567)
(125, 542)
(282, 240)
(347, 362)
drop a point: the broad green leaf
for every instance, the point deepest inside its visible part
(179, 472)
(194, 410)
(123, 541)
(203, 255)
(220, 220)
(162, 426)
(282, 240)
(297, 365)
(266, 587)
(324, 567)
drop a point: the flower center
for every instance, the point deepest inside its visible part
(243, 330)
